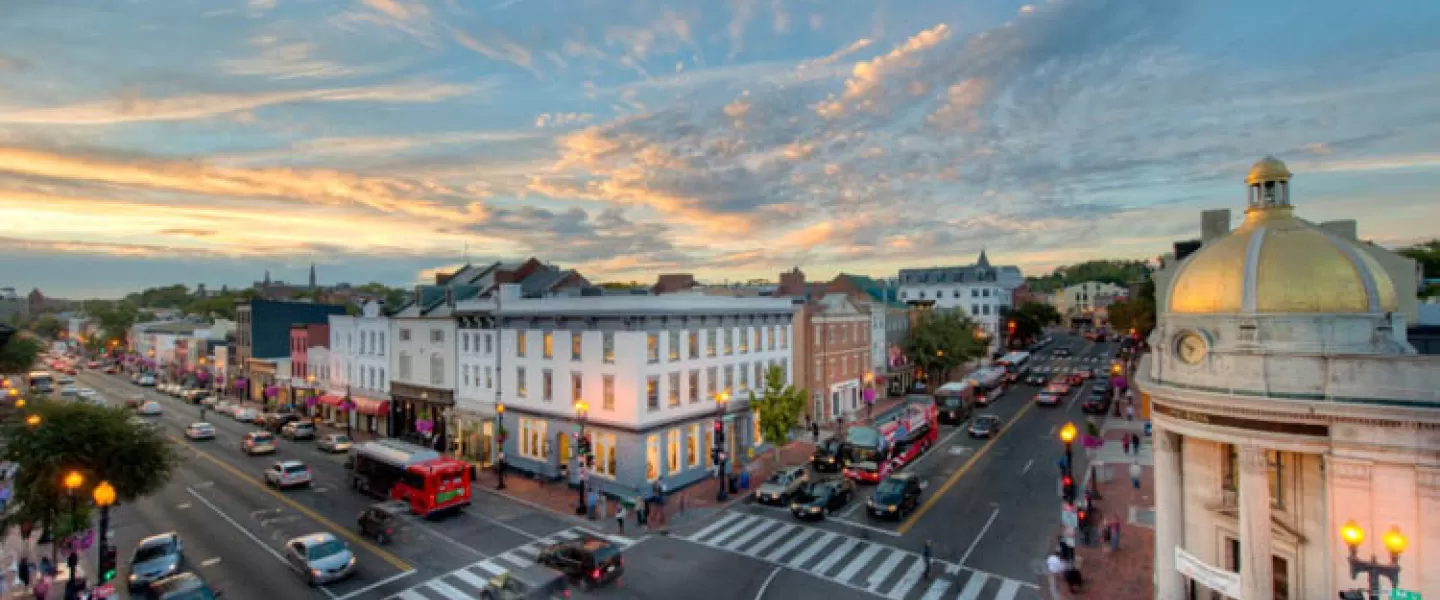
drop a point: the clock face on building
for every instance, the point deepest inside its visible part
(1191, 347)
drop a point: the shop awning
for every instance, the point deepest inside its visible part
(367, 406)
(332, 400)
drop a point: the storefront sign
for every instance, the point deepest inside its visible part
(1220, 580)
(1243, 423)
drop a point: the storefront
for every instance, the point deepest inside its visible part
(262, 383)
(420, 414)
(362, 414)
(474, 438)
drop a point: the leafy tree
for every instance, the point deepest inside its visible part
(19, 354)
(1030, 320)
(1136, 313)
(620, 285)
(1427, 254)
(779, 408)
(47, 326)
(219, 306)
(115, 320)
(1118, 272)
(170, 296)
(942, 340)
(98, 441)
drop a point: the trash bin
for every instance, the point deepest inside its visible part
(745, 480)
(734, 484)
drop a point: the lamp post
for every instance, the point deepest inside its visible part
(1067, 435)
(582, 410)
(870, 394)
(309, 396)
(73, 480)
(104, 495)
(1374, 570)
(720, 400)
(33, 421)
(500, 445)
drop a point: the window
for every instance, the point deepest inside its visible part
(784, 371)
(674, 350)
(576, 345)
(437, 336)
(729, 378)
(532, 439)
(652, 458)
(406, 367)
(711, 377)
(607, 394)
(577, 387)
(487, 343)
(1230, 471)
(758, 332)
(547, 385)
(607, 350)
(652, 348)
(755, 427)
(520, 388)
(692, 446)
(465, 341)
(521, 342)
(759, 375)
(694, 387)
(744, 341)
(784, 338)
(955, 294)
(984, 309)
(710, 343)
(437, 369)
(693, 338)
(770, 338)
(974, 293)
(465, 371)
(709, 443)
(673, 447)
(729, 341)
(974, 309)
(744, 378)
(404, 334)
(652, 392)
(547, 344)
(674, 391)
(604, 454)
(488, 384)
(382, 343)
(985, 293)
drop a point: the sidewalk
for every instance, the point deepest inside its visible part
(1127, 573)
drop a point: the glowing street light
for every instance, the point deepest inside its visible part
(1394, 541)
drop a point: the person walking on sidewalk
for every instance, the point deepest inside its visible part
(500, 470)
(815, 432)
(620, 517)
(1135, 442)
(1135, 473)
(925, 555)
(1125, 443)
(1130, 412)
(1115, 533)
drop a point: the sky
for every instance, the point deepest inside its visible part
(147, 143)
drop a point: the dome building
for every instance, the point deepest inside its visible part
(1287, 405)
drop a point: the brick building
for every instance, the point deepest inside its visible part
(831, 353)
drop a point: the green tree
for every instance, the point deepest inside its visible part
(1136, 313)
(19, 354)
(115, 320)
(779, 408)
(1030, 320)
(942, 340)
(1118, 272)
(1427, 254)
(99, 442)
(47, 326)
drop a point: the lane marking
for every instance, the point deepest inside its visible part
(976, 542)
(307, 511)
(949, 483)
(369, 588)
(183, 505)
(766, 585)
(522, 532)
(415, 521)
(850, 523)
(210, 562)
(1028, 464)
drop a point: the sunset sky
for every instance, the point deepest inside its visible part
(152, 142)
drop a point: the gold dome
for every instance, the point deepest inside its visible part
(1267, 169)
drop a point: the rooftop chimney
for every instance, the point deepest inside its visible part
(792, 283)
(1214, 224)
(1346, 229)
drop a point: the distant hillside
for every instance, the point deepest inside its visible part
(1118, 272)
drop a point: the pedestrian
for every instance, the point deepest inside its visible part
(815, 432)
(590, 499)
(620, 517)
(1125, 443)
(42, 587)
(24, 569)
(1105, 532)
(1130, 412)
(925, 555)
(1115, 533)
(500, 470)
(1135, 473)
(1135, 442)
(1057, 566)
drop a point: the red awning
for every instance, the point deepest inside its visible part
(366, 406)
(332, 400)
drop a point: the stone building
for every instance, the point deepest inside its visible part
(1287, 403)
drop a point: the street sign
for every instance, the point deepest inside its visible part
(1399, 594)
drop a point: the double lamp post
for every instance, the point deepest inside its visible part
(1373, 569)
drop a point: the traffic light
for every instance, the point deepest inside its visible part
(107, 563)
(1067, 488)
(719, 432)
(1011, 326)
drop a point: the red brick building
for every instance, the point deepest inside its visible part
(302, 338)
(832, 347)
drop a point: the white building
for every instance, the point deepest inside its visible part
(979, 290)
(359, 361)
(649, 368)
(1286, 404)
(422, 363)
(1081, 297)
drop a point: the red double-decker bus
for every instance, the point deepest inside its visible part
(900, 436)
(420, 477)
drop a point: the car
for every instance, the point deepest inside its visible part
(210, 401)
(224, 407)
(181, 586)
(827, 455)
(320, 558)
(155, 558)
(258, 442)
(298, 430)
(86, 394)
(112, 369)
(94, 364)
(984, 426)
(1097, 404)
(334, 442)
(1035, 379)
(195, 395)
(380, 521)
(150, 408)
(822, 498)
(142, 423)
(896, 497)
(200, 431)
(246, 415)
(288, 473)
(1085, 373)
(277, 421)
(146, 381)
(534, 582)
(1046, 397)
(65, 380)
(1062, 352)
(163, 388)
(69, 391)
(588, 559)
(786, 482)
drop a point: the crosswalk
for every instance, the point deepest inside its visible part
(1062, 364)
(467, 582)
(878, 569)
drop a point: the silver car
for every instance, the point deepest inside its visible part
(335, 442)
(155, 558)
(785, 483)
(320, 558)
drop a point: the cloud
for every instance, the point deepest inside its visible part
(562, 119)
(834, 57)
(741, 12)
(868, 76)
(131, 107)
(498, 48)
(374, 145)
(400, 10)
(292, 60)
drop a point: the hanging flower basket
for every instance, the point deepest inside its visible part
(272, 391)
(310, 400)
(424, 425)
(347, 405)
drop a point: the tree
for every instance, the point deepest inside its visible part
(1427, 254)
(47, 326)
(1136, 313)
(778, 408)
(100, 442)
(1118, 272)
(19, 354)
(941, 341)
(115, 320)
(1030, 320)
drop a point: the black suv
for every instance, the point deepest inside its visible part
(1098, 403)
(590, 560)
(822, 498)
(827, 456)
(381, 521)
(896, 497)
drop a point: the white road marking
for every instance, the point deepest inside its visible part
(937, 590)
(246, 533)
(973, 544)
(973, 587)
(415, 521)
(1028, 464)
(183, 505)
(210, 561)
(766, 585)
(850, 523)
(366, 589)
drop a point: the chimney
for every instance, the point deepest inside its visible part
(792, 283)
(1346, 229)
(1214, 224)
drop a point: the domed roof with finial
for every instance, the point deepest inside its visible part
(1267, 169)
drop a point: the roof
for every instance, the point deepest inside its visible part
(981, 271)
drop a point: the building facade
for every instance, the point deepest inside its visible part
(422, 387)
(1287, 405)
(263, 344)
(840, 366)
(359, 371)
(980, 291)
(646, 375)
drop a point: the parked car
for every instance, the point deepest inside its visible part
(112, 369)
(134, 401)
(381, 521)
(535, 582)
(182, 586)
(827, 456)
(225, 408)
(782, 485)
(822, 498)
(288, 473)
(246, 415)
(895, 497)
(150, 408)
(200, 431)
(590, 560)
(334, 442)
(210, 401)
(194, 395)
(1098, 403)
(86, 394)
(1036, 379)
(985, 426)
(154, 558)
(146, 381)
(258, 442)
(298, 430)
(320, 558)
(276, 422)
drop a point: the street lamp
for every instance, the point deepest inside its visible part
(1067, 435)
(73, 480)
(1374, 570)
(310, 406)
(33, 421)
(582, 410)
(500, 447)
(720, 400)
(104, 495)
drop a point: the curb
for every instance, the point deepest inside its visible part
(535, 505)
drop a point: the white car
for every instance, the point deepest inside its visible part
(288, 473)
(225, 408)
(147, 380)
(210, 401)
(150, 408)
(246, 415)
(87, 393)
(65, 380)
(200, 431)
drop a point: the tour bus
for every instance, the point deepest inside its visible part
(40, 382)
(420, 477)
(1013, 363)
(955, 400)
(903, 434)
(989, 384)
